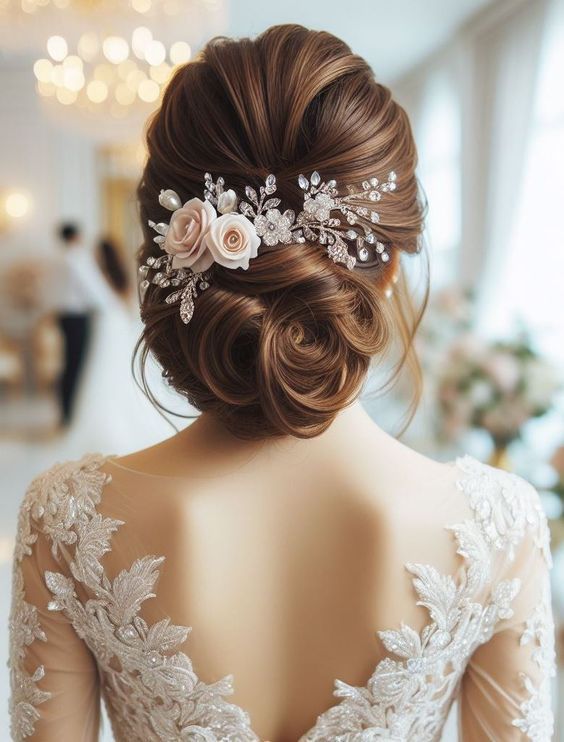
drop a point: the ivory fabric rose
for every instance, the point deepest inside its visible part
(184, 237)
(232, 241)
(227, 202)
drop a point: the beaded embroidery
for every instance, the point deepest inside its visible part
(157, 696)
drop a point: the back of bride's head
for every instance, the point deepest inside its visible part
(282, 347)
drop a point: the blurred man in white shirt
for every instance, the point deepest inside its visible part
(80, 290)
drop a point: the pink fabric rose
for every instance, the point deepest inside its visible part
(184, 237)
(232, 241)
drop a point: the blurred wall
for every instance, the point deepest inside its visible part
(53, 164)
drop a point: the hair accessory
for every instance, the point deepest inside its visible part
(197, 237)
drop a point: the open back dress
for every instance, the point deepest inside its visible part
(112, 600)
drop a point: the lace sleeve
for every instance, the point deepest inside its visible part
(53, 676)
(506, 689)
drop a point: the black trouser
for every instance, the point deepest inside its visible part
(76, 334)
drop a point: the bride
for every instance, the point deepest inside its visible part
(282, 569)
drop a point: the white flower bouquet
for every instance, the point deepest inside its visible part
(496, 386)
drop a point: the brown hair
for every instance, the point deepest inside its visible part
(282, 347)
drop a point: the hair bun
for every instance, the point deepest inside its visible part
(281, 347)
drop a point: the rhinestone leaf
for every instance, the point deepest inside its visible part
(303, 182)
(363, 254)
(251, 193)
(246, 209)
(175, 296)
(392, 177)
(290, 215)
(271, 203)
(315, 178)
(271, 181)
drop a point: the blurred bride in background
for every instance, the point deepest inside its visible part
(108, 405)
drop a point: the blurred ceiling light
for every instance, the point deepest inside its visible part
(73, 79)
(57, 48)
(134, 79)
(72, 62)
(140, 40)
(97, 91)
(124, 94)
(43, 69)
(116, 49)
(155, 53)
(105, 69)
(88, 46)
(141, 6)
(180, 52)
(148, 91)
(125, 68)
(17, 204)
(66, 96)
(46, 89)
(161, 73)
(103, 72)
(58, 75)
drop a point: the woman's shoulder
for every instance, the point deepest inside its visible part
(58, 498)
(506, 507)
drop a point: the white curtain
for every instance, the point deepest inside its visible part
(489, 70)
(505, 59)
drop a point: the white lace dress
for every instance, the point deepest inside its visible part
(81, 627)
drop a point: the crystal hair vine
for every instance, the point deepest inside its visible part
(197, 237)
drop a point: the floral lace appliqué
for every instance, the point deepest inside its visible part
(150, 688)
(409, 694)
(537, 718)
(155, 694)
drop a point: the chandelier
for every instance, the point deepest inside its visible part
(144, 7)
(108, 74)
(108, 57)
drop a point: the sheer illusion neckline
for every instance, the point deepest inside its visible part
(156, 694)
(451, 464)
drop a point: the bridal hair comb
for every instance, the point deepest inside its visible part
(197, 237)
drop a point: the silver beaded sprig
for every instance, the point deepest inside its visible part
(317, 221)
(187, 281)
